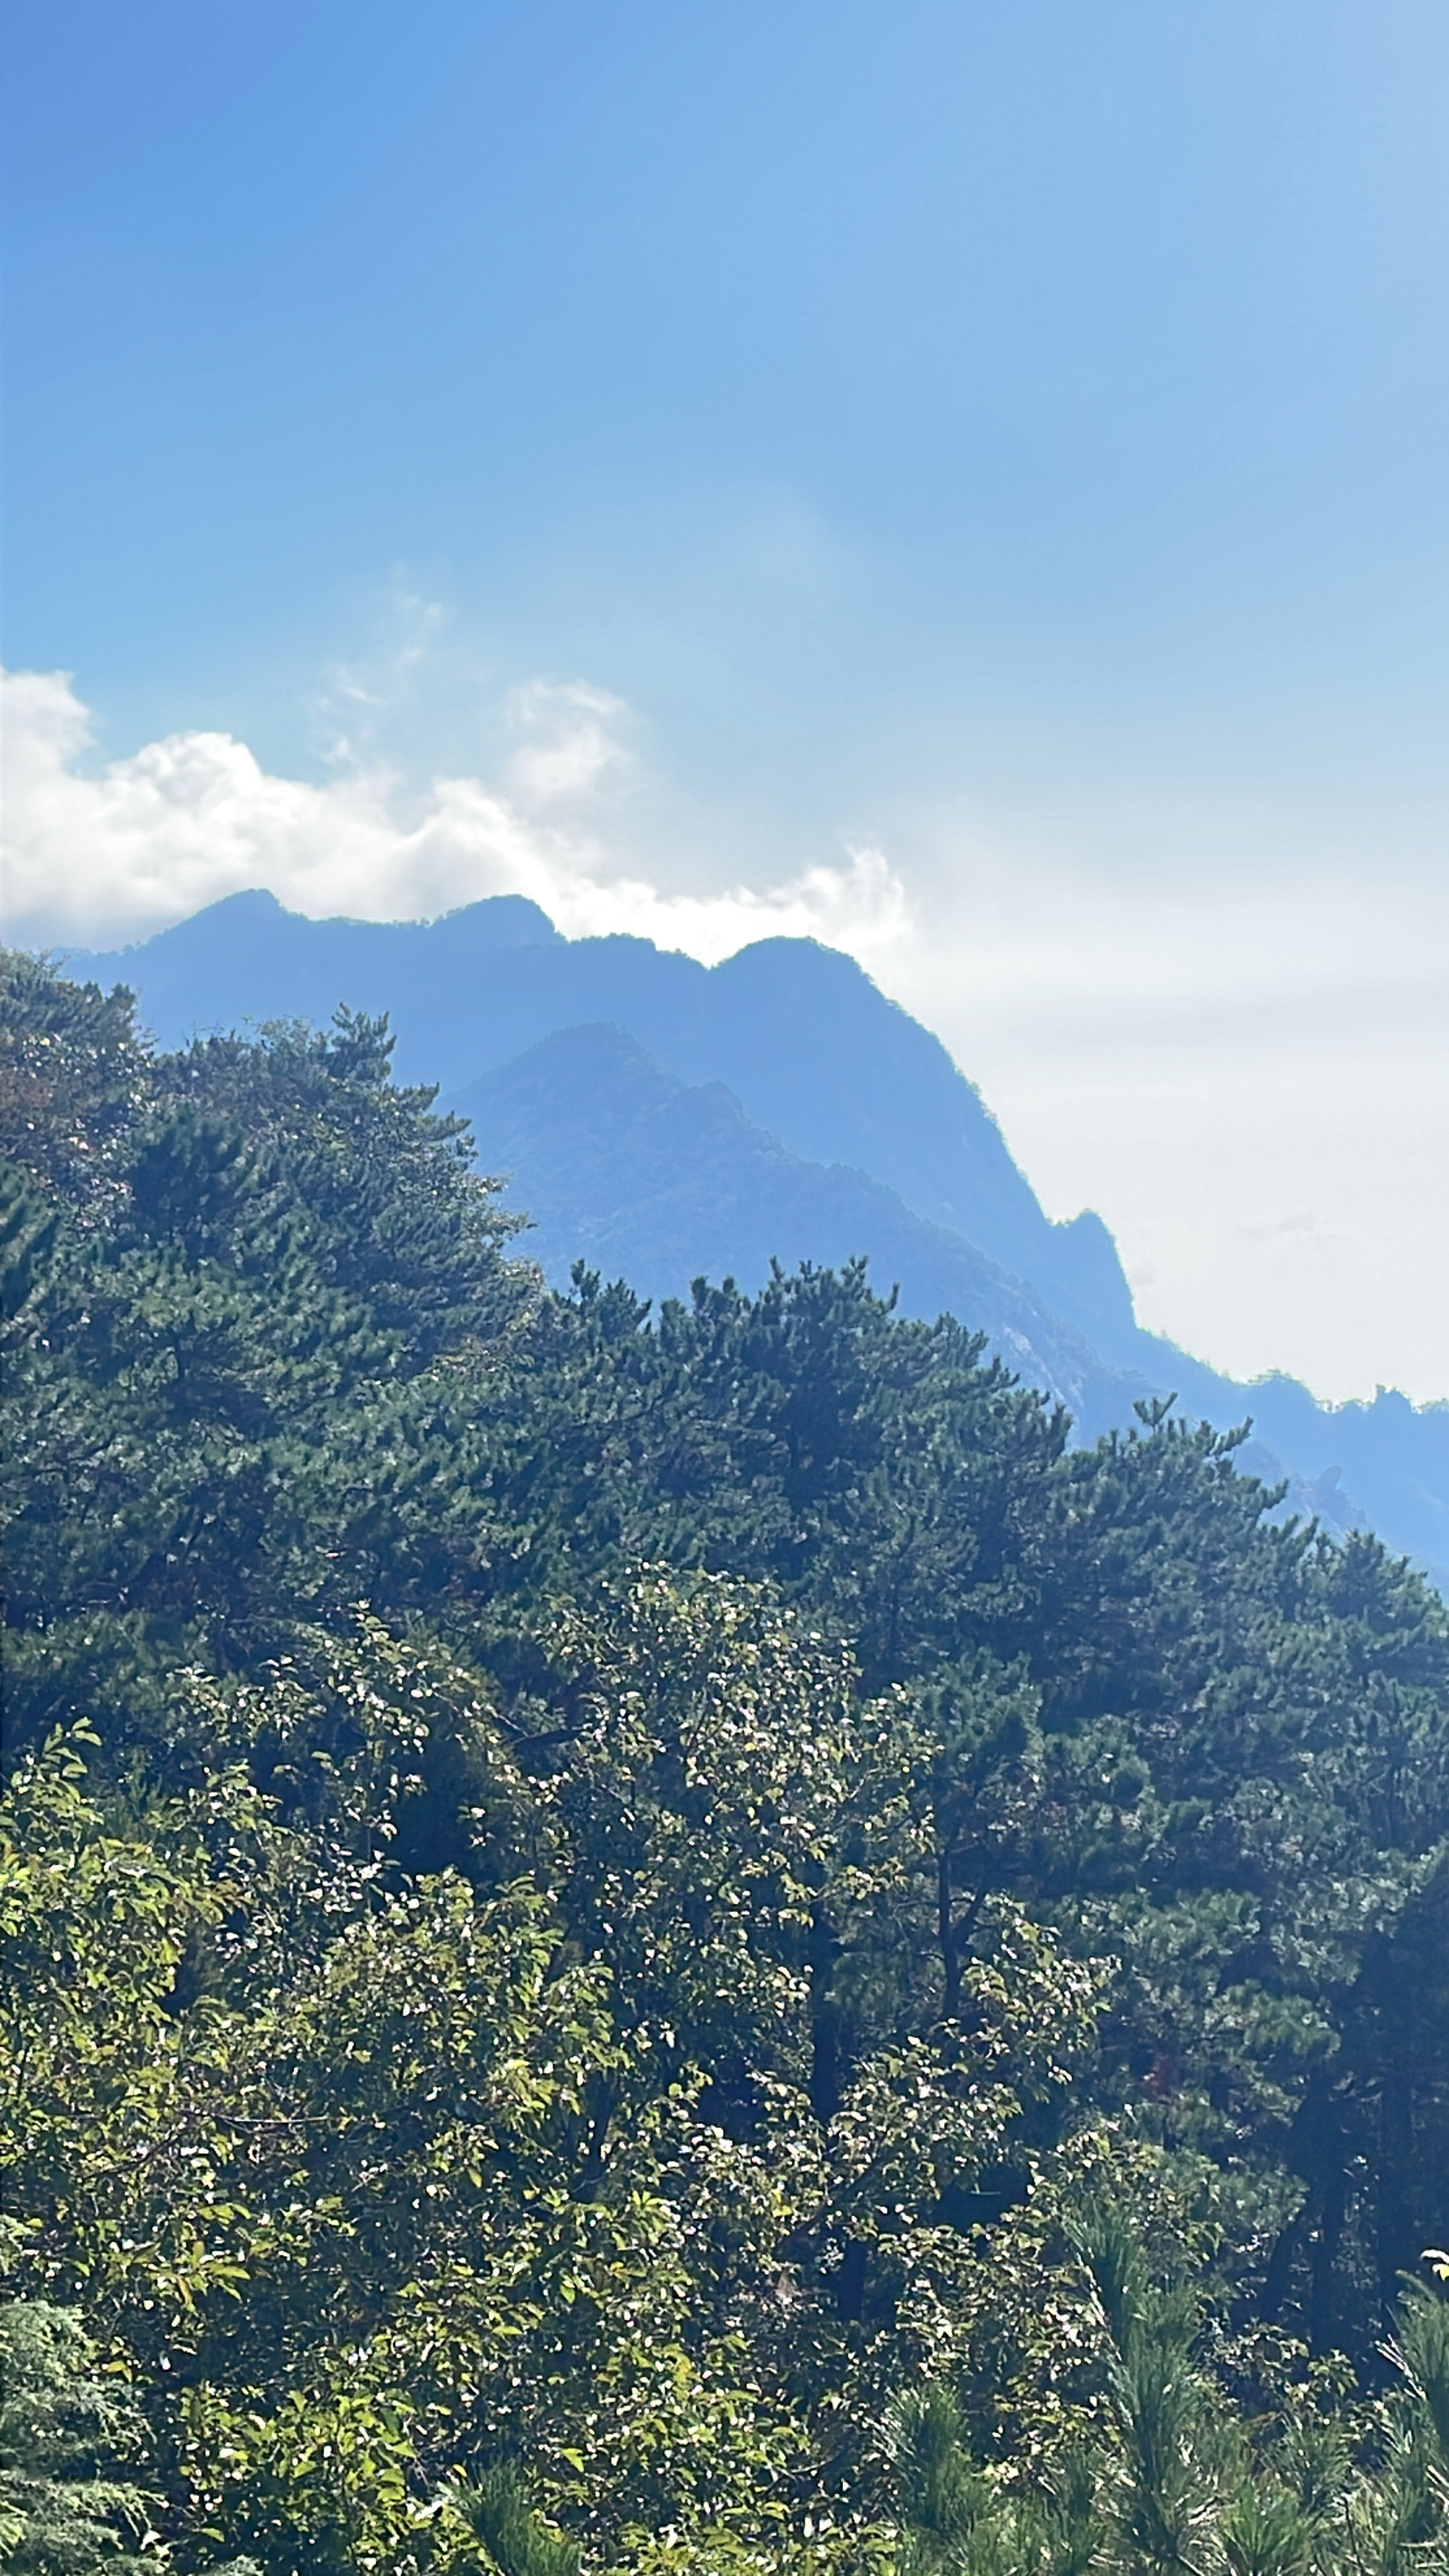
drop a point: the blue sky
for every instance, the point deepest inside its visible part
(1011, 439)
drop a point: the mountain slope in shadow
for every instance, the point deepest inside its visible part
(622, 1165)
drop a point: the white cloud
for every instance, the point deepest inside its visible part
(97, 857)
(570, 742)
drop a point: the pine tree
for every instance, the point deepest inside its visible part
(494, 2506)
(71, 2443)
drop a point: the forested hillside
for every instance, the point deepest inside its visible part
(675, 1940)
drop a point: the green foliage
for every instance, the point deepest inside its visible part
(74, 1080)
(1164, 2476)
(598, 1907)
(494, 2507)
(67, 2439)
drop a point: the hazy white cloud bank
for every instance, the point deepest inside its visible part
(1240, 1055)
(97, 856)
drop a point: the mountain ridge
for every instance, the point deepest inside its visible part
(469, 991)
(823, 1066)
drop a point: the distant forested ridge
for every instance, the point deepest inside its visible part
(682, 1119)
(679, 1938)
